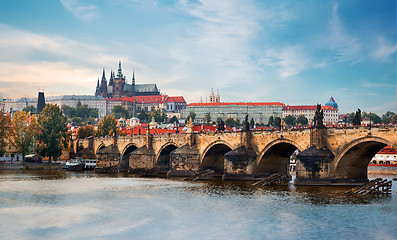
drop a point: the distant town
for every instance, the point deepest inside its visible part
(132, 103)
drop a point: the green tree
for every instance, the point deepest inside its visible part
(218, 120)
(394, 119)
(159, 116)
(119, 112)
(289, 120)
(230, 122)
(271, 121)
(143, 116)
(68, 111)
(387, 117)
(25, 128)
(302, 120)
(174, 119)
(106, 126)
(207, 118)
(192, 115)
(375, 119)
(30, 109)
(77, 120)
(53, 135)
(86, 131)
(5, 131)
(277, 122)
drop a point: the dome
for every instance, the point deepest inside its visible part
(332, 103)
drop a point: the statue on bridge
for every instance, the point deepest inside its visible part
(318, 117)
(246, 126)
(221, 126)
(357, 118)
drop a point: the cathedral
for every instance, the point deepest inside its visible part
(118, 87)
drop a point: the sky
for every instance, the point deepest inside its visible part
(298, 52)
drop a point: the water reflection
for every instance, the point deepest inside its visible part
(63, 205)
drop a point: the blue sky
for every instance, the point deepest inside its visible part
(296, 52)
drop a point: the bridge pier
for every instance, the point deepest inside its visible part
(184, 161)
(239, 164)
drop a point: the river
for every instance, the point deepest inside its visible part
(64, 205)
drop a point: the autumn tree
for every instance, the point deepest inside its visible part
(86, 131)
(25, 129)
(53, 132)
(106, 126)
(5, 131)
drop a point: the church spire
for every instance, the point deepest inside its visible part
(217, 98)
(133, 77)
(111, 78)
(120, 72)
(212, 96)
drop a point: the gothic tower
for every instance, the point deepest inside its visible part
(212, 96)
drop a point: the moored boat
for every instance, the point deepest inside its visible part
(74, 165)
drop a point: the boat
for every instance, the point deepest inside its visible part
(74, 165)
(89, 164)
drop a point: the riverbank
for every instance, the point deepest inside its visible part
(28, 165)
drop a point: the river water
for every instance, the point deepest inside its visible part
(64, 205)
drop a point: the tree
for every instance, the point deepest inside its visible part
(230, 122)
(387, 117)
(277, 122)
(5, 131)
(218, 120)
(86, 131)
(289, 120)
(192, 115)
(143, 116)
(159, 116)
(53, 132)
(271, 121)
(375, 119)
(302, 120)
(25, 129)
(77, 120)
(30, 109)
(119, 112)
(106, 126)
(394, 119)
(174, 119)
(207, 118)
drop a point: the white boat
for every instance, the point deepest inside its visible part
(89, 164)
(74, 165)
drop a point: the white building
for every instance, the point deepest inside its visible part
(97, 102)
(331, 114)
(13, 105)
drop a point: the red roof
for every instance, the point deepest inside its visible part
(307, 107)
(176, 99)
(237, 103)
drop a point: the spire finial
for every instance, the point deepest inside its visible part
(120, 72)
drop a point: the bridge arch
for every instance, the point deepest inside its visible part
(125, 155)
(213, 156)
(275, 157)
(163, 156)
(100, 147)
(352, 162)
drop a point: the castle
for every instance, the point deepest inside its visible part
(118, 87)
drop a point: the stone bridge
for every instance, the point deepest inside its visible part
(327, 155)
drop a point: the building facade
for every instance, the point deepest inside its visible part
(118, 87)
(96, 102)
(259, 111)
(331, 115)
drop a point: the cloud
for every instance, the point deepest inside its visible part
(367, 84)
(384, 49)
(344, 46)
(289, 60)
(79, 9)
(59, 65)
